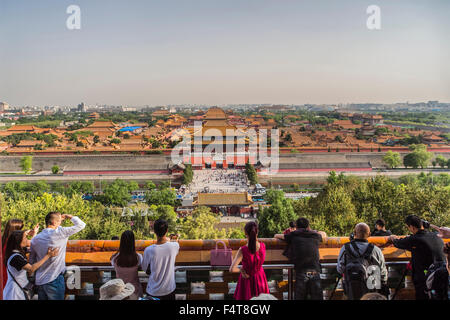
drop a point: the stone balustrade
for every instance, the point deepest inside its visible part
(196, 281)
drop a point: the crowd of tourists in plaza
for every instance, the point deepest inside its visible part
(219, 181)
(361, 264)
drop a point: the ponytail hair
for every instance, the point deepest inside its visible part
(251, 230)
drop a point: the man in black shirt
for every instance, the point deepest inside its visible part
(426, 248)
(304, 244)
(380, 229)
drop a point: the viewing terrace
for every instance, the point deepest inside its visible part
(197, 280)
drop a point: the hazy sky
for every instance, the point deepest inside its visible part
(229, 51)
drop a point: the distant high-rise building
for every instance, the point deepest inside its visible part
(125, 108)
(82, 107)
(433, 104)
(4, 106)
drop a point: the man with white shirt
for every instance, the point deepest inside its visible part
(159, 263)
(50, 276)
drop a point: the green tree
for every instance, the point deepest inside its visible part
(150, 185)
(272, 195)
(392, 159)
(441, 161)
(164, 196)
(188, 174)
(80, 187)
(57, 188)
(202, 225)
(251, 173)
(410, 160)
(165, 212)
(419, 157)
(118, 193)
(276, 218)
(335, 208)
(26, 163)
(55, 169)
(288, 137)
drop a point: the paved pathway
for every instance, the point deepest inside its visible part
(218, 181)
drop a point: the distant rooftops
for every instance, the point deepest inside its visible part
(215, 113)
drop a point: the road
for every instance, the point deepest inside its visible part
(283, 178)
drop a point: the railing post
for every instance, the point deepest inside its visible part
(290, 284)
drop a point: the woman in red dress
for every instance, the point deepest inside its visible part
(252, 279)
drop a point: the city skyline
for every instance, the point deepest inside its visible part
(223, 105)
(217, 52)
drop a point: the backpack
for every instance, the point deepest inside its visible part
(437, 281)
(356, 270)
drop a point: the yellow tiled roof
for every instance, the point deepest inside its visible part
(219, 199)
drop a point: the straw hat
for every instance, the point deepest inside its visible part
(264, 296)
(116, 289)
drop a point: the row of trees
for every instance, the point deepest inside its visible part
(116, 193)
(344, 201)
(347, 200)
(106, 221)
(419, 157)
(16, 138)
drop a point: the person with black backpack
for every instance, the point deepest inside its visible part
(429, 270)
(362, 265)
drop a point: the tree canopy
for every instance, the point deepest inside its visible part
(392, 159)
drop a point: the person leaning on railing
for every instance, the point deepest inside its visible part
(159, 263)
(359, 255)
(444, 233)
(426, 249)
(303, 250)
(127, 262)
(252, 279)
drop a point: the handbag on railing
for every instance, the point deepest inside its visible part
(221, 257)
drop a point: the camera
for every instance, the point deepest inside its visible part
(352, 236)
(425, 224)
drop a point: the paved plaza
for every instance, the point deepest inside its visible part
(218, 181)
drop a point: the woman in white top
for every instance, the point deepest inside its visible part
(17, 265)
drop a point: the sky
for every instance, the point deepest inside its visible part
(214, 52)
